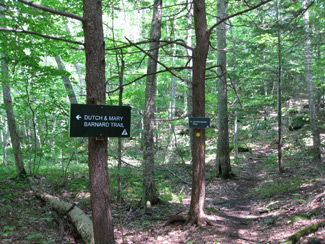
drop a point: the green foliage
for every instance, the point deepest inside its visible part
(296, 218)
(212, 210)
(41, 104)
(283, 185)
(167, 194)
(251, 62)
(6, 230)
(35, 237)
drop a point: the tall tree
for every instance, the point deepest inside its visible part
(150, 194)
(202, 34)
(14, 135)
(97, 147)
(67, 82)
(196, 213)
(96, 94)
(280, 160)
(3, 140)
(313, 111)
(223, 156)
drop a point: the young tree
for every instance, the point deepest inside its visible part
(310, 85)
(150, 194)
(14, 135)
(196, 213)
(223, 154)
(67, 82)
(280, 160)
(3, 140)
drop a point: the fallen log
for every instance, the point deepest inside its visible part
(80, 220)
(308, 230)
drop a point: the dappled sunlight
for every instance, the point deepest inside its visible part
(83, 195)
(253, 78)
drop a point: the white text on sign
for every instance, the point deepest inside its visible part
(101, 117)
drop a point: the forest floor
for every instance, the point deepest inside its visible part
(259, 205)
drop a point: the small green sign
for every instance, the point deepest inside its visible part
(201, 123)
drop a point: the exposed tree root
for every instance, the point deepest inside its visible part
(80, 220)
(203, 221)
(175, 219)
(310, 229)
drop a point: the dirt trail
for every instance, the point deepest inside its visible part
(239, 214)
(237, 208)
(244, 217)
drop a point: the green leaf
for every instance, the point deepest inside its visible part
(34, 236)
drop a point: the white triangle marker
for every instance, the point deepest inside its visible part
(124, 132)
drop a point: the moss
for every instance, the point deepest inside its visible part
(310, 229)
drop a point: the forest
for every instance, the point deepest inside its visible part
(214, 130)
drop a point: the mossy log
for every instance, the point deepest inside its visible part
(308, 230)
(80, 220)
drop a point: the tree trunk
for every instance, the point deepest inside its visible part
(236, 101)
(310, 85)
(150, 194)
(67, 82)
(189, 41)
(120, 103)
(4, 141)
(196, 213)
(15, 140)
(280, 160)
(97, 147)
(223, 156)
(79, 219)
(77, 66)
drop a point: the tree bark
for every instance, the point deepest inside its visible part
(80, 220)
(223, 156)
(119, 150)
(189, 41)
(280, 159)
(236, 102)
(97, 147)
(4, 137)
(150, 194)
(196, 213)
(15, 139)
(304, 232)
(67, 82)
(312, 91)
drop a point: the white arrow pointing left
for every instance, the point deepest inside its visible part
(78, 117)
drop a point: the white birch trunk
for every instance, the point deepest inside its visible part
(311, 89)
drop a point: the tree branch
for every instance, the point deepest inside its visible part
(231, 81)
(145, 75)
(168, 69)
(53, 11)
(167, 42)
(41, 35)
(239, 13)
(174, 119)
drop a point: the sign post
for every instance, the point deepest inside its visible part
(99, 121)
